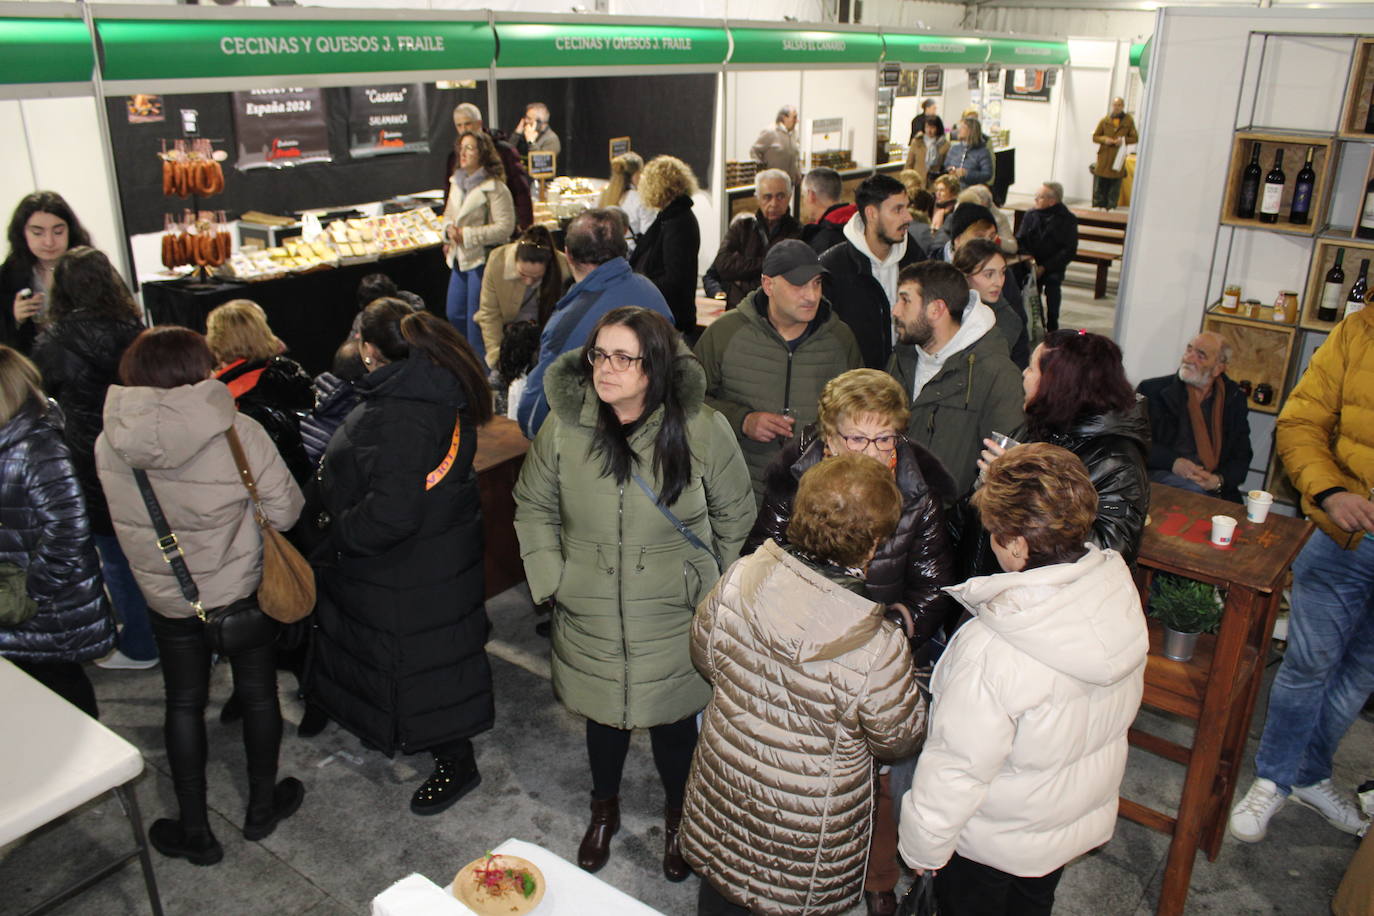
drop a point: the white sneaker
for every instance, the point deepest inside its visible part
(1325, 799)
(1250, 818)
(118, 661)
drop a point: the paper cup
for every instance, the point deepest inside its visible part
(1223, 530)
(1257, 503)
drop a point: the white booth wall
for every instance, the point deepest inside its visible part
(754, 97)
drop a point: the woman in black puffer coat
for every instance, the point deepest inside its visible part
(44, 531)
(667, 254)
(92, 320)
(399, 657)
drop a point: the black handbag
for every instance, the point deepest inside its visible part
(920, 898)
(229, 630)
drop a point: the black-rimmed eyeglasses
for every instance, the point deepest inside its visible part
(619, 361)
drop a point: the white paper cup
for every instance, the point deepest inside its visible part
(1223, 530)
(1257, 503)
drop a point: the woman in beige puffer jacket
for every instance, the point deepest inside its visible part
(809, 685)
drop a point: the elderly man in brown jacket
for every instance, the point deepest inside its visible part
(809, 684)
(1113, 132)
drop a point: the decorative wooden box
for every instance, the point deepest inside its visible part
(1294, 145)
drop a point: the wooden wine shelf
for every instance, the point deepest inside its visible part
(1260, 352)
(1294, 145)
(1358, 92)
(1322, 259)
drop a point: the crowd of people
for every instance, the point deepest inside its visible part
(858, 556)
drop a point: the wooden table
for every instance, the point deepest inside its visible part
(1217, 688)
(500, 454)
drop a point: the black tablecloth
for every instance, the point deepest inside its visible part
(312, 313)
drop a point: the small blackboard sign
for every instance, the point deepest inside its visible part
(619, 146)
(543, 164)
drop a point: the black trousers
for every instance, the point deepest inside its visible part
(710, 902)
(66, 679)
(1051, 290)
(673, 745)
(967, 888)
(186, 676)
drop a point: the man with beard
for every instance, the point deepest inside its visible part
(863, 268)
(963, 384)
(1199, 424)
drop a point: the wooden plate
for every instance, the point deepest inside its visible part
(482, 903)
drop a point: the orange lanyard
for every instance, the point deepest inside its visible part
(433, 477)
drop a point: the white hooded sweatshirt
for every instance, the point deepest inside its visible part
(1032, 699)
(977, 320)
(884, 271)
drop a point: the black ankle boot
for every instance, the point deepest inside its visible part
(314, 721)
(263, 819)
(172, 841)
(453, 777)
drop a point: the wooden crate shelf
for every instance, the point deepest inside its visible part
(1358, 92)
(1322, 259)
(1260, 353)
(1294, 145)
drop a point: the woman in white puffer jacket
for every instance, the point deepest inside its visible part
(1032, 699)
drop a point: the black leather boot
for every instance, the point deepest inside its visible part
(596, 842)
(453, 777)
(675, 867)
(197, 847)
(263, 816)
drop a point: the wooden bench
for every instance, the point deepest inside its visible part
(1102, 260)
(1107, 236)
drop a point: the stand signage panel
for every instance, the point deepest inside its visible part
(804, 46)
(45, 51)
(387, 119)
(608, 45)
(1027, 54)
(932, 49)
(280, 127)
(145, 49)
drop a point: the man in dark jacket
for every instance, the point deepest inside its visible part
(1049, 233)
(1199, 422)
(955, 366)
(862, 280)
(740, 259)
(602, 281)
(821, 209)
(767, 361)
(468, 117)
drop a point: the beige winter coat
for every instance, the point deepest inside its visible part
(177, 436)
(1032, 701)
(487, 216)
(809, 684)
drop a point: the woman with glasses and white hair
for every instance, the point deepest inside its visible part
(633, 498)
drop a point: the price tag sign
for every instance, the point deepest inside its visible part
(619, 146)
(542, 164)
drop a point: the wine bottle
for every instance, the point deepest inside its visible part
(1365, 227)
(1273, 190)
(1249, 186)
(1302, 191)
(1332, 287)
(1355, 301)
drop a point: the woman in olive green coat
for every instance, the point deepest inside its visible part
(628, 412)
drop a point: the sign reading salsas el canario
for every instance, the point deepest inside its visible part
(528, 44)
(778, 46)
(138, 49)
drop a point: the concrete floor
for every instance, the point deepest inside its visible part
(354, 834)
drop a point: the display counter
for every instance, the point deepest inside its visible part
(312, 313)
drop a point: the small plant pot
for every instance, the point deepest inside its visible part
(1179, 646)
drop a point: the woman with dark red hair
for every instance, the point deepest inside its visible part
(1077, 397)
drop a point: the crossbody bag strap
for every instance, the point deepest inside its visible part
(167, 543)
(245, 473)
(676, 522)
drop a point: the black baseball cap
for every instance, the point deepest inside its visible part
(966, 215)
(793, 260)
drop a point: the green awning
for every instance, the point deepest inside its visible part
(933, 49)
(1027, 54)
(1137, 49)
(45, 51)
(150, 49)
(607, 45)
(804, 46)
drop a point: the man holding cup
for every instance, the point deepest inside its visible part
(1325, 436)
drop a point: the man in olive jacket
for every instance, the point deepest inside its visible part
(1112, 132)
(767, 360)
(955, 366)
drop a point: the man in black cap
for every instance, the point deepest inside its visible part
(767, 360)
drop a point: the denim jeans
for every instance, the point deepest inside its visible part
(1328, 671)
(464, 295)
(136, 638)
(1170, 479)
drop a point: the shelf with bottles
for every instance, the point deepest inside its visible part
(1248, 311)
(1260, 353)
(1357, 119)
(1269, 173)
(1329, 287)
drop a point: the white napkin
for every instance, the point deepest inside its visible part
(416, 895)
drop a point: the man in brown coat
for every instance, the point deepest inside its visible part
(1113, 132)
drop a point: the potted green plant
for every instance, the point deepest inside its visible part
(1186, 608)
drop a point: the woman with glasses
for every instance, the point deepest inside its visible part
(633, 498)
(865, 410)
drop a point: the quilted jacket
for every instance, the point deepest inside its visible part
(739, 262)
(276, 392)
(625, 581)
(809, 685)
(79, 359)
(1032, 701)
(44, 531)
(1325, 433)
(913, 565)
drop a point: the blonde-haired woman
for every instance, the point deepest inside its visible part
(479, 216)
(667, 254)
(269, 387)
(622, 192)
(981, 194)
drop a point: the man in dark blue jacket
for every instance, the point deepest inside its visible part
(1049, 233)
(603, 281)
